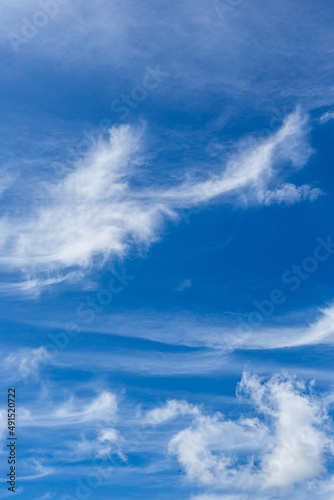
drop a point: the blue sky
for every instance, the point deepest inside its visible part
(167, 248)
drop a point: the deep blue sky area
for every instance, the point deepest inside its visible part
(167, 249)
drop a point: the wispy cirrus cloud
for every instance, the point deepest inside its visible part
(326, 117)
(99, 210)
(101, 409)
(36, 470)
(252, 39)
(192, 331)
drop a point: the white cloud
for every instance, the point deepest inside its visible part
(210, 331)
(289, 194)
(208, 450)
(88, 213)
(326, 117)
(108, 442)
(102, 408)
(289, 444)
(300, 443)
(26, 363)
(170, 411)
(37, 470)
(320, 331)
(32, 288)
(252, 168)
(97, 212)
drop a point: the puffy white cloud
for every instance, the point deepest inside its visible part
(208, 449)
(108, 442)
(288, 444)
(289, 194)
(171, 410)
(300, 443)
(99, 211)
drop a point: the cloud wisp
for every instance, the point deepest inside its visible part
(99, 210)
(101, 409)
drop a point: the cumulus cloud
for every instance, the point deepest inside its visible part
(289, 442)
(170, 411)
(99, 211)
(289, 194)
(109, 440)
(298, 449)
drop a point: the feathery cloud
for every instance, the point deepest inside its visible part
(326, 117)
(98, 211)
